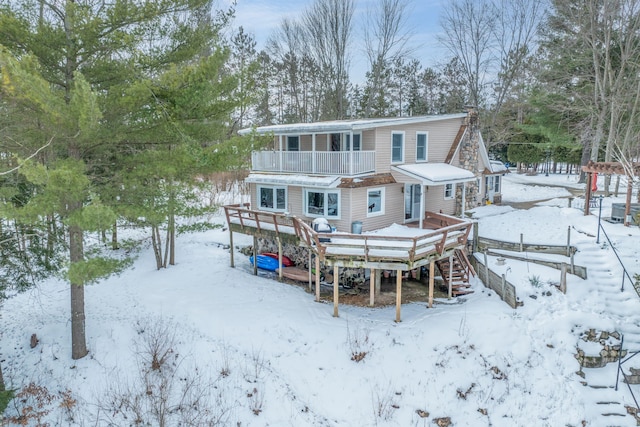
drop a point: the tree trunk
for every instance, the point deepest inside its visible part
(76, 254)
(172, 236)
(2, 386)
(157, 245)
(114, 237)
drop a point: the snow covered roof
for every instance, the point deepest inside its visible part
(435, 173)
(330, 181)
(497, 166)
(346, 125)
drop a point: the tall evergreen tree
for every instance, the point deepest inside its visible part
(102, 83)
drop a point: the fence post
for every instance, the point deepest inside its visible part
(504, 284)
(474, 248)
(569, 241)
(563, 278)
(486, 267)
(521, 242)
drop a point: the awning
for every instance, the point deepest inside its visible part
(435, 173)
(330, 181)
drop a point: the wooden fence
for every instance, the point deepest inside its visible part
(499, 284)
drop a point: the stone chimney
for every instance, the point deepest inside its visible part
(469, 155)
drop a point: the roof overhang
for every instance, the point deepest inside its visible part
(338, 126)
(330, 181)
(435, 173)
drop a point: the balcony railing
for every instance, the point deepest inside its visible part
(343, 163)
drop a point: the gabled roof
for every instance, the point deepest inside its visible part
(336, 126)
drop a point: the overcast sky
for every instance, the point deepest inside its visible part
(261, 17)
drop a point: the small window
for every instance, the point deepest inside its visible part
(421, 146)
(322, 203)
(273, 198)
(397, 147)
(375, 202)
(356, 142)
(496, 184)
(449, 191)
(293, 143)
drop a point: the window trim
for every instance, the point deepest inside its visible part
(452, 188)
(274, 189)
(382, 201)
(426, 146)
(402, 134)
(325, 191)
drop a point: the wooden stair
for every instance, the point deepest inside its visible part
(457, 274)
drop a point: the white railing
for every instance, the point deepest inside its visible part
(314, 162)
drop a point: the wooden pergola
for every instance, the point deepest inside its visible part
(610, 168)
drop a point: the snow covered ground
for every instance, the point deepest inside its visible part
(263, 353)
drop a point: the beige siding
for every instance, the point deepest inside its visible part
(393, 207)
(434, 201)
(441, 135)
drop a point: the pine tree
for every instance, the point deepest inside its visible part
(94, 89)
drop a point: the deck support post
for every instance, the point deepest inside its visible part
(317, 278)
(255, 256)
(378, 281)
(450, 275)
(372, 284)
(432, 271)
(279, 258)
(231, 247)
(309, 265)
(398, 293)
(336, 279)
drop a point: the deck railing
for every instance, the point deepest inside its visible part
(344, 163)
(359, 247)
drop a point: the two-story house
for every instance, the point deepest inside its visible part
(367, 174)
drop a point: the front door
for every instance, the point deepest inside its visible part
(412, 195)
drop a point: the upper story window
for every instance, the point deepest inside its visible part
(293, 143)
(322, 203)
(356, 142)
(422, 141)
(449, 191)
(397, 147)
(273, 198)
(375, 201)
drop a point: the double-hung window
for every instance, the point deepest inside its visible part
(375, 201)
(272, 198)
(397, 147)
(322, 203)
(422, 142)
(449, 191)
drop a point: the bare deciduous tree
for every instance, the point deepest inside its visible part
(329, 32)
(386, 38)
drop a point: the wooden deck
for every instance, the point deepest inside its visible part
(372, 251)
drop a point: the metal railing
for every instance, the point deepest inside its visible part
(625, 272)
(344, 163)
(620, 363)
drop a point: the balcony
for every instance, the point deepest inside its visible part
(344, 163)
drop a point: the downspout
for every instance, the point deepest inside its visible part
(422, 195)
